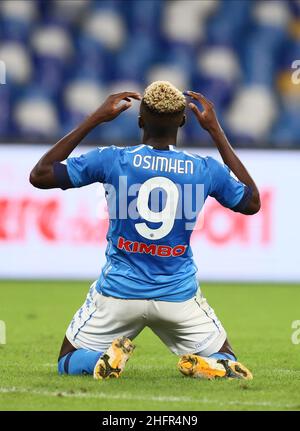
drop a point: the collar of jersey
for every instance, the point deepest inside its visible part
(171, 148)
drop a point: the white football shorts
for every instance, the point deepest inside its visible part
(185, 327)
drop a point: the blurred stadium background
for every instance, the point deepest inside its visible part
(62, 57)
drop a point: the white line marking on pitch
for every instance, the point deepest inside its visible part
(101, 395)
(283, 370)
(146, 367)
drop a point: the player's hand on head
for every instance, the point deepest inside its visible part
(208, 117)
(114, 105)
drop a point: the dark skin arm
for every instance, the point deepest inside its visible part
(208, 120)
(42, 175)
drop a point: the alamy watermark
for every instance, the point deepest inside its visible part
(157, 201)
(295, 338)
(2, 72)
(2, 332)
(296, 74)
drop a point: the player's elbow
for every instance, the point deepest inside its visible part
(254, 205)
(256, 202)
(257, 208)
(36, 178)
(254, 209)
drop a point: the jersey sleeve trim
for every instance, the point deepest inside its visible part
(242, 205)
(61, 176)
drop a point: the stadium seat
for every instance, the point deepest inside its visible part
(17, 18)
(252, 113)
(17, 62)
(36, 117)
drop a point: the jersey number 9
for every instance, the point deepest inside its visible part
(166, 217)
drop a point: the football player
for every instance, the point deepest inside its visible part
(149, 278)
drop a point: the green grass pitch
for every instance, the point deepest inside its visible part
(258, 319)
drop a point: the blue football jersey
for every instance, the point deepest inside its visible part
(154, 197)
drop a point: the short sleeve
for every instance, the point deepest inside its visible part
(94, 166)
(224, 187)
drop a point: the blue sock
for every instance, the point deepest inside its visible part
(80, 361)
(222, 355)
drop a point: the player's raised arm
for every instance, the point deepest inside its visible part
(42, 175)
(208, 120)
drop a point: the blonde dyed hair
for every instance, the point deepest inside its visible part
(164, 98)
